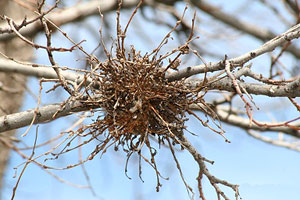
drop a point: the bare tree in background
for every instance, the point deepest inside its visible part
(133, 97)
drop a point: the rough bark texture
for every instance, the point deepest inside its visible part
(12, 85)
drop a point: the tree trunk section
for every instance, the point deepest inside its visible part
(12, 85)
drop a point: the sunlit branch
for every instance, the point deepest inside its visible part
(287, 90)
(68, 15)
(44, 114)
(36, 70)
(292, 33)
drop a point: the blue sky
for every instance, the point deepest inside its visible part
(263, 171)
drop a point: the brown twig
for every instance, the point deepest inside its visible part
(203, 170)
(26, 164)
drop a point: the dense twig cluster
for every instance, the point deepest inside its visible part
(136, 99)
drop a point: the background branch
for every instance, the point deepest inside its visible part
(68, 15)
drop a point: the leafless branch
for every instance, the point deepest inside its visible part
(44, 114)
(39, 71)
(64, 16)
(277, 142)
(203, 170)
(244, 123)
(292, 33)
(254, 30)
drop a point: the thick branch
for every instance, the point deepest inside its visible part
(288, 90)
(269, 46)
(44, 114)
(35, 70)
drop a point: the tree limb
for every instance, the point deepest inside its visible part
(44, 114)
(64, 16)
(245, 123)
(35, 70)
(287, 90)
(292, 33)
(203, 170)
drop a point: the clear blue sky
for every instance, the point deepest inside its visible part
(263, 171)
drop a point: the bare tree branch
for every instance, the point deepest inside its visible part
(39, 71)
(288, 90)
(44, 114)
(203, 170)
(64, 16)
(245, 123)
(278, 142)
(231, 20)
(292, 33)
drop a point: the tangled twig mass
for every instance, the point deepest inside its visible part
(137, 101)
